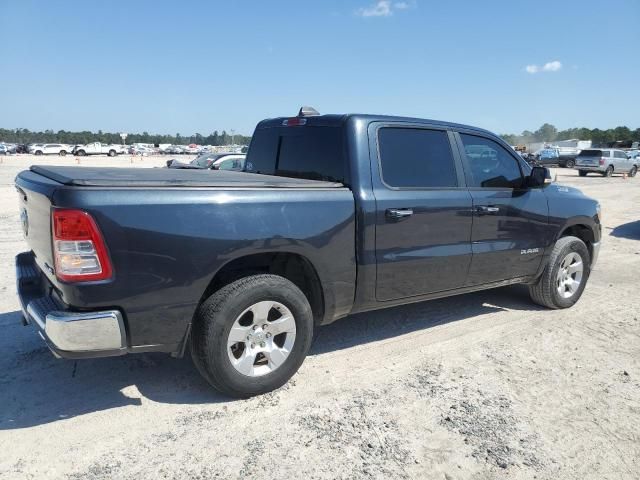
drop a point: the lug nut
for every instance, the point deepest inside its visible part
(255, 327)
(262, 344)
(264, 327)
(268, 335)
(253, 345)
(248, 337)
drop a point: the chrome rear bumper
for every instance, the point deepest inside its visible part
(68, 334)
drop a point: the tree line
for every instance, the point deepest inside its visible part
(549, 133)
(24, 135)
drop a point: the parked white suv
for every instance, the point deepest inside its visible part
(51, 149)
(605, 161)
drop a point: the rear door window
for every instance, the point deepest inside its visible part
(490, 164)
(416, 158)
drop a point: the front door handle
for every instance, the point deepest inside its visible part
(487, 209)
(397, 213)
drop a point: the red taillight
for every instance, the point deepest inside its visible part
(78, 247)
(602, 161)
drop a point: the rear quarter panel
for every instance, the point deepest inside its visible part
(166, 245)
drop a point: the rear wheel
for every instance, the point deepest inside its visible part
(565, 276)
(633, 171)
(81, 153)
(112, 153)
(582, 173)
(571, 163)
(251, 336)
(609, 171)
(38, 152)
(62, 153)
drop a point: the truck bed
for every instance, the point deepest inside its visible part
(165, 177)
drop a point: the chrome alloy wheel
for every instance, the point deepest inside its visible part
(261, 338)
(569, 275)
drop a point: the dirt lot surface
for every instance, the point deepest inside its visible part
(480, 386)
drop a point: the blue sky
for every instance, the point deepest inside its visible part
(167, 67)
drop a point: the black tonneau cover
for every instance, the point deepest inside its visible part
(166, 177)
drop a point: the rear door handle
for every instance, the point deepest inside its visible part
(397, 213)
(487, 210)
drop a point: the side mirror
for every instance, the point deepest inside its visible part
(539, 176)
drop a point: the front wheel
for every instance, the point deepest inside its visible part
(81, 153)
(62, 153)
(570, 163)
(251, 336)
(38, 153)
(633, 171)
(563, 280)
(112, 153)
(582, 173)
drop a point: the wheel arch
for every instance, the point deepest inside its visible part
(294, 267)
(583, 231)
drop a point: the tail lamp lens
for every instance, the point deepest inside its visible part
(78, 247)
(602, 161)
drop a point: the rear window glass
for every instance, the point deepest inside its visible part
(416, 158)
(314, 153)
(591, 153)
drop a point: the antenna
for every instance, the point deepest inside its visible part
(308, 112)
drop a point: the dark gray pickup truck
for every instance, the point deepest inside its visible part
(334, 214)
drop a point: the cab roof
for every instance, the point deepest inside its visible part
(329, 120)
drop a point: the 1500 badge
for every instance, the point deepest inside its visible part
(529, 250)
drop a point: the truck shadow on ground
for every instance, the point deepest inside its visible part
(36, 388)
(629, 230)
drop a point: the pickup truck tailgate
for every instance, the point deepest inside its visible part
(34, 196)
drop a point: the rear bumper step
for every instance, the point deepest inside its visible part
(68, 334)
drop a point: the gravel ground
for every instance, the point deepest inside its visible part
(480, 386)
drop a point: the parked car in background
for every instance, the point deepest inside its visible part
(32, 147)
(211, 161)
(141, 150)
(547, 156)
(52, 149)
(605, 161)
(97, 148)
(4, 150)
(634, 155)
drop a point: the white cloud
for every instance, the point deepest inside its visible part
(382, 8)
(547, 67)
(552, 66)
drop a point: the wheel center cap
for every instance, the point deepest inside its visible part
(258, 336)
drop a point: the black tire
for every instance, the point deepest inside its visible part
(215, 317)
(633, 171)
(81, 153)
(38, 152)
(570, 163)
(582, 173)
(544, 291)
(62, 153)
(112, 153)
(609, 171)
